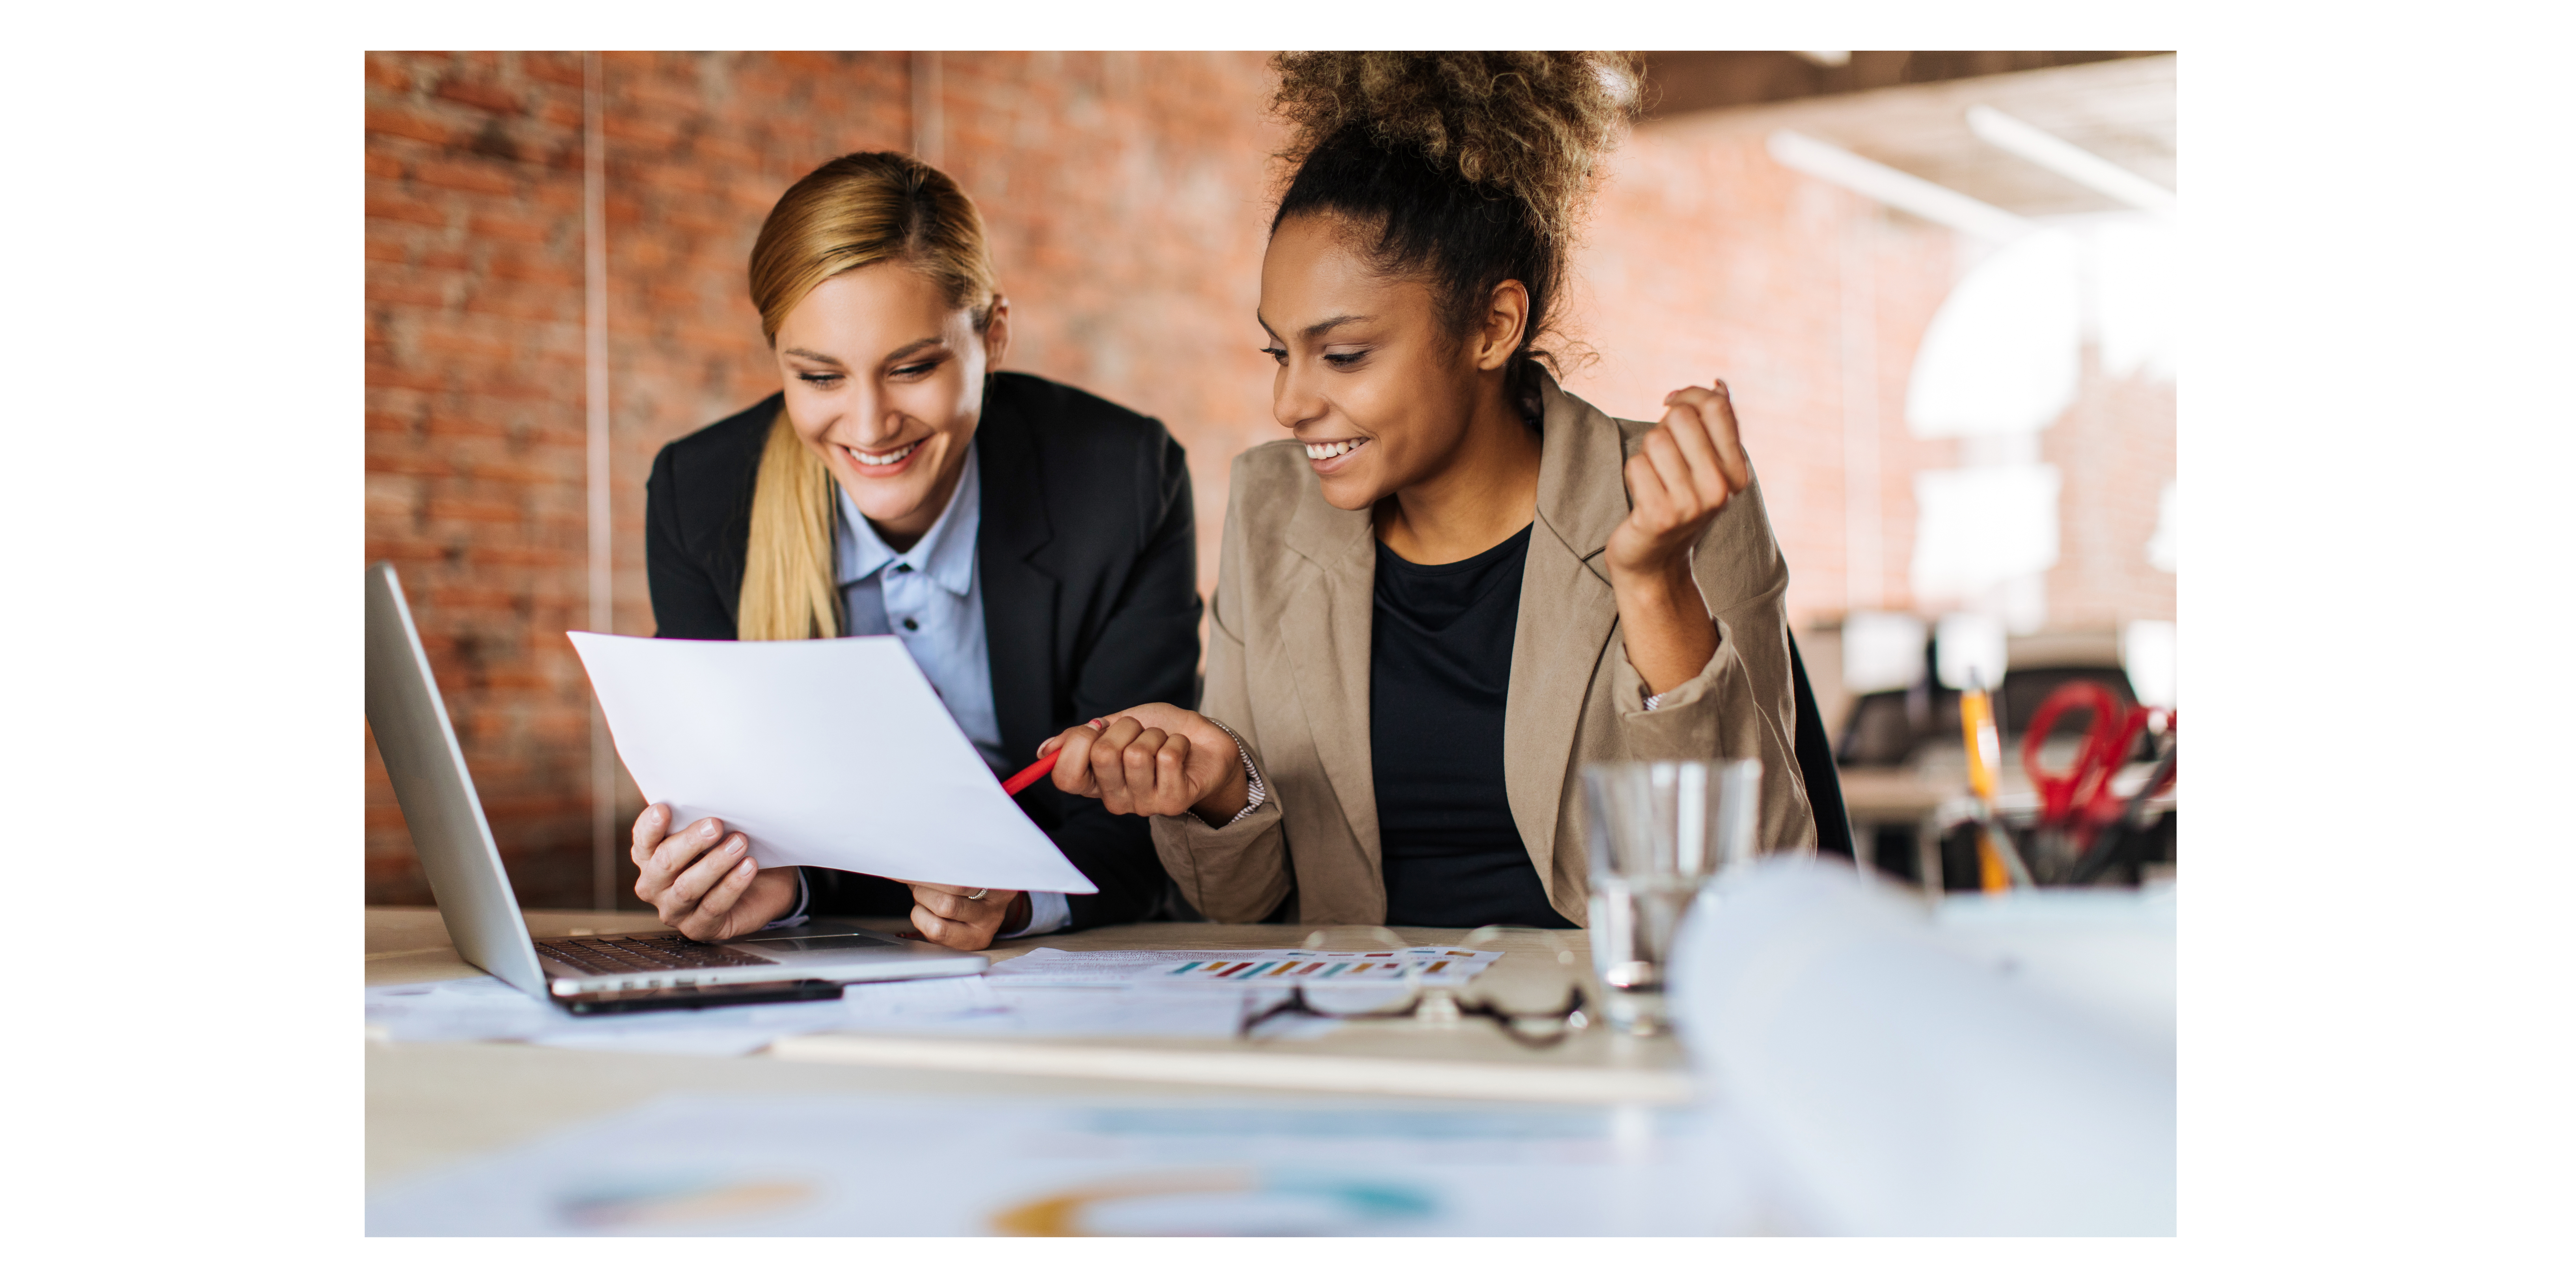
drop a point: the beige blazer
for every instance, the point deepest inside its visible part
(1288, 671)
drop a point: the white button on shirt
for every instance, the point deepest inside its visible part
(932, 598)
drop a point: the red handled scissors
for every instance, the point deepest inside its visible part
(2079, 798)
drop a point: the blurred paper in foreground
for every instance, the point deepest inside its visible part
(2009, 1072)
(873, 1165)
(826, 753)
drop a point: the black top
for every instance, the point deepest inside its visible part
(1089, 557)
(1440, 667)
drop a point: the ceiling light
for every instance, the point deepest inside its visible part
(1914, 196)
(2049, 152)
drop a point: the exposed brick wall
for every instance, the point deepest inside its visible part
(1126, 198)
(2116, 448)
(474, 435)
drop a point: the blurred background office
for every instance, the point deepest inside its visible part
(1935, 282)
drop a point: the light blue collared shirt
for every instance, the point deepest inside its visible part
(932, 598)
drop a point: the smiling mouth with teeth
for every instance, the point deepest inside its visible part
(889, 458)
(1327, 451)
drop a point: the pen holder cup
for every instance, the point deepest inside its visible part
(1659, 830)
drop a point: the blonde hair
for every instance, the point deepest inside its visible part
(853, 211)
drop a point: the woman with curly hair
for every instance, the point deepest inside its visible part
(1458, 583)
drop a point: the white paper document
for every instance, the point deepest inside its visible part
(825, 753)
(484, 1009)
(1261, 968)
(1131, 1013)
(481, 1009)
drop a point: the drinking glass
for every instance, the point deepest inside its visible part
(1659, 830)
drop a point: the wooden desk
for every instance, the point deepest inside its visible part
(427, 1102)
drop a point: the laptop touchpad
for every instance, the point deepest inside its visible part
(818, 934)
(815, 943)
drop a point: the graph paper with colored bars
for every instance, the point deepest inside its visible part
(1312, 967)
(1266, 967)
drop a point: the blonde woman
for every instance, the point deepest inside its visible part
(1031, 545)
(1457, 583)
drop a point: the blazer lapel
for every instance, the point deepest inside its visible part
(1325, 630)
(1019, 596)
(1556, 649)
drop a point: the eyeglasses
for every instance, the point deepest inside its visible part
(1423, 1002)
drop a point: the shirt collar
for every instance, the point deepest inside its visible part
(946, 553)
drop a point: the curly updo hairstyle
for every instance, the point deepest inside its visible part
(1465, 170)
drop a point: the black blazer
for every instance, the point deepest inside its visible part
(1088, 551)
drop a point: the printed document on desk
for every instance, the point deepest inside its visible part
(1259, 967)
(483, 1009)
(825, 753)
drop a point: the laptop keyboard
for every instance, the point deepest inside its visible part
(637, 954)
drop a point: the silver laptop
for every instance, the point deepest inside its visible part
(454, 841)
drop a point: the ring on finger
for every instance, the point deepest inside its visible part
(978, 896)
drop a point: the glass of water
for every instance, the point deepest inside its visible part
(1659, 830)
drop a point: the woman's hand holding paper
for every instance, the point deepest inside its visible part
(946, 916)
(1157, 759)
(703, 882)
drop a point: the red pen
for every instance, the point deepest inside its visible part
(1019, 782)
